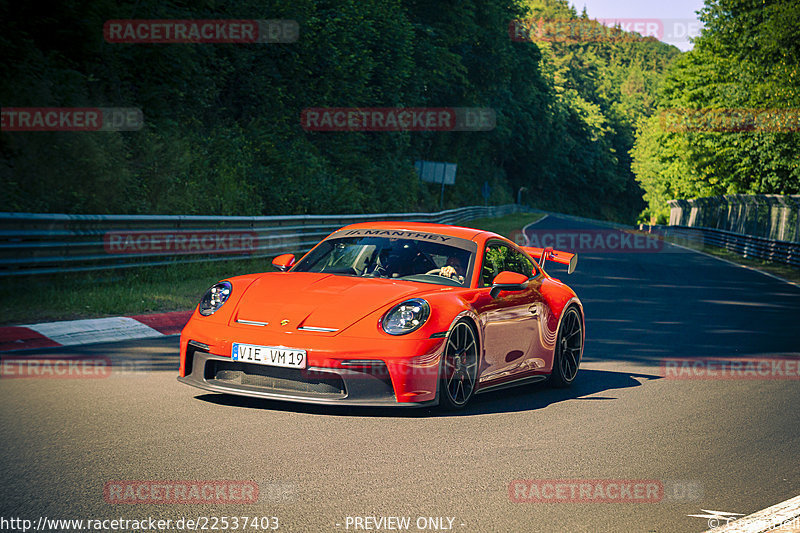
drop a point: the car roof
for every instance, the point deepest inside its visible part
(443, 229)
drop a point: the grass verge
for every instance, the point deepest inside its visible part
(506, 225)
(71, 296)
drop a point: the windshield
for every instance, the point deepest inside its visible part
(382, 257)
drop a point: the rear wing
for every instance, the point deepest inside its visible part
(557, 256)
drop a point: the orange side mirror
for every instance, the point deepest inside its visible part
(508, 281)
(283, 262)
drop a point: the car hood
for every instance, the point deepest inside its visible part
(308, 299)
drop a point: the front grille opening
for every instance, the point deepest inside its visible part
(376, 369)
(191, 348)
(276, 379)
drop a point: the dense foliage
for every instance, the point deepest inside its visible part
(745, 64)
(223, 135)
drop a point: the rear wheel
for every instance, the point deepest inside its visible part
(459, 367)
(568, 350)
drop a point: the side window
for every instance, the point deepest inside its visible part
(499, 257)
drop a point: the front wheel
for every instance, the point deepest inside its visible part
(569, 349)
(459, 367)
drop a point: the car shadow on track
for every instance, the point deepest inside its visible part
(540, 395)
(519, 399)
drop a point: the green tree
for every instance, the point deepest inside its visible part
(745, 59)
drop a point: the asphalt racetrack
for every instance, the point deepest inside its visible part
(722, 444)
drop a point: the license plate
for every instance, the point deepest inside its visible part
(269, 355)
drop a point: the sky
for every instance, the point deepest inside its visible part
(671, 21)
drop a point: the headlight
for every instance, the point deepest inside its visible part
(214, 297)
(406, 317)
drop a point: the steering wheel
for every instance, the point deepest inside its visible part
(434, 272)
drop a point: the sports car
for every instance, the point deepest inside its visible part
(389, 314)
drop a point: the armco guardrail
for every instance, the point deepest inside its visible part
(749, 246)
(32, 243)
(771, 216)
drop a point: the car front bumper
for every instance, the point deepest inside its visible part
(396, 381)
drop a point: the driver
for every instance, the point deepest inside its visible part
(453, 269)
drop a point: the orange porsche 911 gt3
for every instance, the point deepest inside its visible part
(389, 314)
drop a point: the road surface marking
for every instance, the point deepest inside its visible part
(778, 516)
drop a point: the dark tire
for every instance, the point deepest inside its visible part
(569, 349)
(459, 369)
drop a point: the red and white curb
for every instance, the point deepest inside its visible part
(91, 331)
(783, 517)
